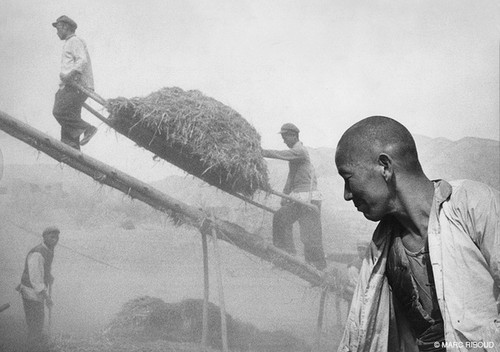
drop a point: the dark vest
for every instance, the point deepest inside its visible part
(48, 256)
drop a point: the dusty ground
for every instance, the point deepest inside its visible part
(99, 266)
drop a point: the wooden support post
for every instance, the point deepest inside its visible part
(206, 288)
(338, 309)
(319, 325)
(50, 311)
(222, 305)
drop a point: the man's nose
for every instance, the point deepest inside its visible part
(347, 193)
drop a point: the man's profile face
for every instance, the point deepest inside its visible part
(289, 139)
(51, 239)
(62, 30)
(365, 186)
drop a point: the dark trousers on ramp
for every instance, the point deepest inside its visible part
(68, 112)
(310, 231)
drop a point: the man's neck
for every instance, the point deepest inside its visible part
(415, 198)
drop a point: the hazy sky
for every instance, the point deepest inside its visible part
(322, 64)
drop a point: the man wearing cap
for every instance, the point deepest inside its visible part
(301, 184)
(75, 67)
(35, 282)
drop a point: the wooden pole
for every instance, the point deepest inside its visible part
(90, 93)
(137, 189)
(222, 305)
(292, 199)
(50, 310)
(319, 325)
(206, 288)
(338, 309)
(4, 307)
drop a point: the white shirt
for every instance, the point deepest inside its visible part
(36, 272)
(75, 57)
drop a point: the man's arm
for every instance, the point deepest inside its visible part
(482, 209)
(36, 272)
(288, 155)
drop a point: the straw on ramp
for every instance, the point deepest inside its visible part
(197, 133)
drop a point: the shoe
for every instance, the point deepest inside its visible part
(88, 134)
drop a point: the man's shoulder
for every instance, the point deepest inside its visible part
(472, 189)
(300, 148)
(75, 40)
(471, 197)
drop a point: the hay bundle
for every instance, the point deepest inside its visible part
(148, 319)
(135, 319)
(196, 133)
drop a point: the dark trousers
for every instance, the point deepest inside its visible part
(310, 231)
(68, 112)
(35, 316)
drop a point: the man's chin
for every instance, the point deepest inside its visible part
(372, 217)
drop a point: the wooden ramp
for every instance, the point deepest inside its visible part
(137, 189)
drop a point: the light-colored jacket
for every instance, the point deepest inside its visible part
(75, 56)
(464, 249)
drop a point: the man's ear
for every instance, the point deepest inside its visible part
(386, 162)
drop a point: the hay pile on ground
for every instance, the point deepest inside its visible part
(196, 133)
(148, 319)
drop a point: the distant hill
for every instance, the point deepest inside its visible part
(468, 158)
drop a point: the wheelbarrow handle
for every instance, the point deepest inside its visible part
(90, 93)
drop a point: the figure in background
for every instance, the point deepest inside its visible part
(76, 67)
(34, 287)
(301, 184)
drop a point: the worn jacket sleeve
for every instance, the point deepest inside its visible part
(481, 206)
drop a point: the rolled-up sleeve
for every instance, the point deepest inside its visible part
(36, 272)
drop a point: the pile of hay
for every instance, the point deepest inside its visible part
(196, 133)
(149, 319)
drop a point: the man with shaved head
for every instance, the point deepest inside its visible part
(431, 277)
